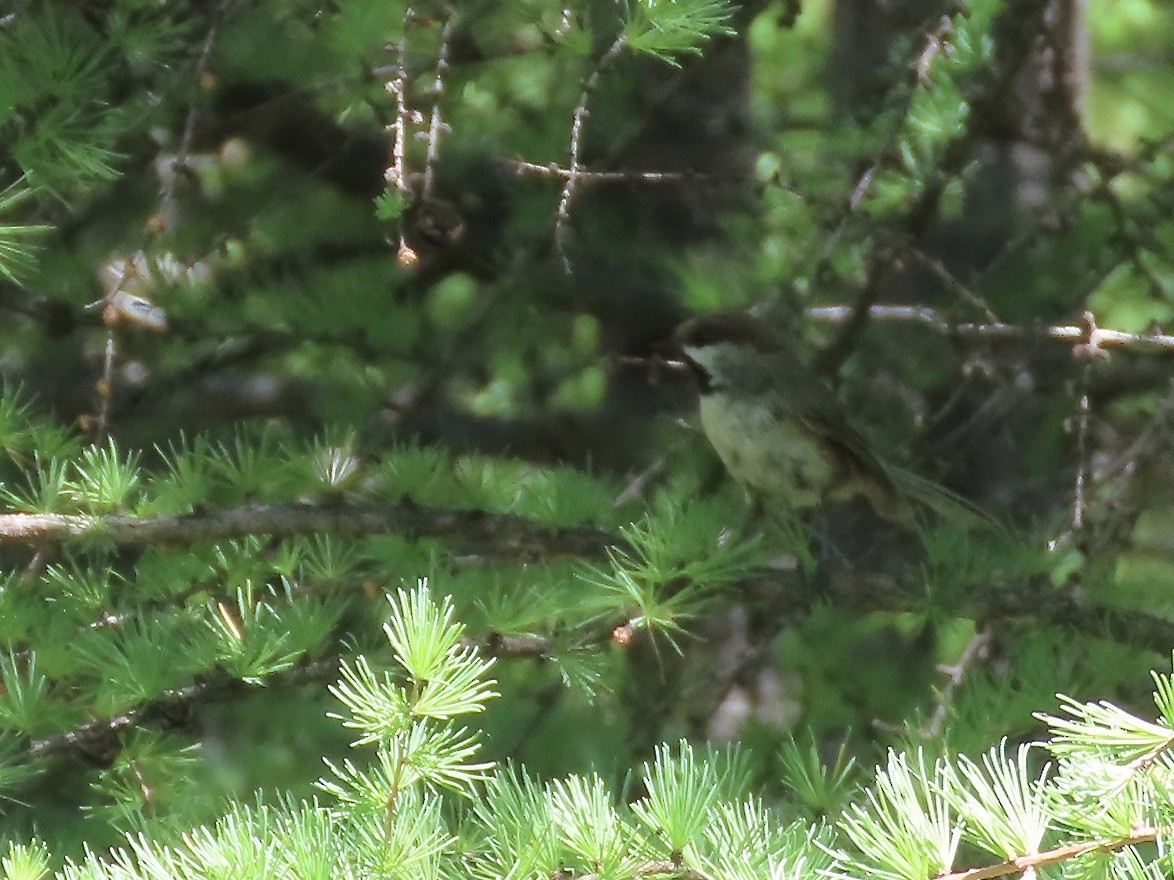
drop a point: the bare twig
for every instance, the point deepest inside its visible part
(1083, 416)
(936, 35)
(397, 172)
(1109, 166)
(497, 644)
(584, 176)
(435, 125)
(105, 389)
(1095, 339)
(937, 42)
(574, 169)
(882, 264)
(660, 869)
(1143, 762)
(639, 483)
(951, 281)
(975, 651)
(1128, 238)
(1148, 442)
(167, 203)
(859, 191)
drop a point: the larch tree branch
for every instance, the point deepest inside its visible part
(474, 531)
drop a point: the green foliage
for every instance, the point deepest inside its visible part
(662, 582)
(16, 253)
(818, 788)
(457, 336)
(25, 861)
(392, 819)
(667, 28)
(692, 816)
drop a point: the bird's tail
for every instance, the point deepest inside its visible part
(949, 505)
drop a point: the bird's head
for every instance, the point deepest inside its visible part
(719, 347)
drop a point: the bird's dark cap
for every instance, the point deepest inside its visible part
(719, 327)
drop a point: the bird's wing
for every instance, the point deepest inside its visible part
(892, 490)
(845, 442)
(949, 505)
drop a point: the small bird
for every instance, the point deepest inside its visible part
(781, 432)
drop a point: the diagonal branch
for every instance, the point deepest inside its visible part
(1030, 863)
(99, 738)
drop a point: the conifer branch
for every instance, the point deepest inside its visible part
(509, 535)
(1029, 863)
(662, 868)
(497, 644)
(98, 736)
(474, 531)
(864, 591)
(887, 254)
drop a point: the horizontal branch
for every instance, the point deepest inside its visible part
(658, 869)
(877, 588)
(1092, 339)
(555, 170)
(508, 535)
(774, 592)
(474, 531)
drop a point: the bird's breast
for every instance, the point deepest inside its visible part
(765, 449)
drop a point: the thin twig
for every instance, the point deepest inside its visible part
(574, 169)
(1083, 416)
(936, 34)
(975, 651)
(167, 203)
(1148, 442)
(639, 483)
(583, 176)
(937, 42)
(954, 283)
(1100, 339)
(656, 869)
(396, 174)
(105, 389)
(496, 644)
(882, 265)
(1103, 192)
(435, 125)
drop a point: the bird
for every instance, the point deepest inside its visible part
(781, 432)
